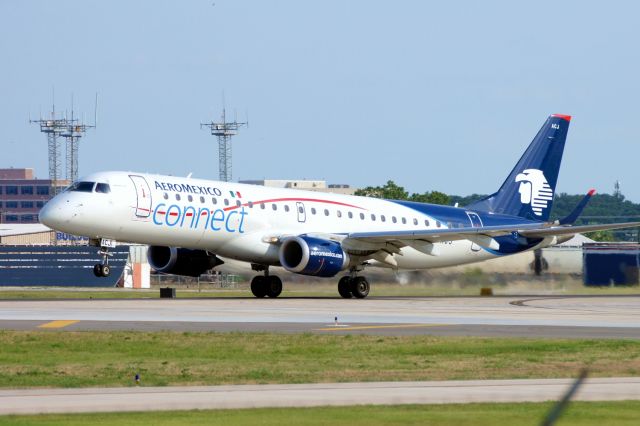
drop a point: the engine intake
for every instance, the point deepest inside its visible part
(180, 261)
(313, 256)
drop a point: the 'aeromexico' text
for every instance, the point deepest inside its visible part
(191, 189)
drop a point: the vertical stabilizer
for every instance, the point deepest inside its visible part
(528, 190)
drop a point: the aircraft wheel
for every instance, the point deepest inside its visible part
(106, 270)
(97, 270)
(344, 287)
(273, 286)
(360, 287)
(259, 286)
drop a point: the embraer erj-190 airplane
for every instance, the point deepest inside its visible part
(188, 222)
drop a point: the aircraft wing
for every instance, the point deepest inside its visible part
(568, 230)
(481, 235)
(436, 235)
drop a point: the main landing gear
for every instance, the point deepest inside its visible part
(352, 286)
(266, 285)
(103, 269)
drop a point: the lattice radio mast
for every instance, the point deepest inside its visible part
(53, 128)
(224, 131)
(72, 130)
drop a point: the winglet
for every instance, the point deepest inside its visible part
(573, 216)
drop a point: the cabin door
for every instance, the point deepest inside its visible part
(143, 194)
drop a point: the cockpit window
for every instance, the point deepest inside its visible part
(82, 186)
(103, 188)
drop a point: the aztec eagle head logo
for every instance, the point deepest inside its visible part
(534, 190)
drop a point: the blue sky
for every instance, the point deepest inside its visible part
(433, 95)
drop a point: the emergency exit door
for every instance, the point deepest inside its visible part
(302, 214)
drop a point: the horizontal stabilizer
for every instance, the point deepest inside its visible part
(573, 216)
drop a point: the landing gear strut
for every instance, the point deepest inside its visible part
(266, 285)
(353, 286)
(103, 269)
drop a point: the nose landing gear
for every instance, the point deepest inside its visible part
(103, 269)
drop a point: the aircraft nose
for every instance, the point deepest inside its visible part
(51, 214)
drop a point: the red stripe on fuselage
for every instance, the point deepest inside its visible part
(310, 200)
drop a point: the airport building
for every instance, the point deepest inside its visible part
(307, 185)
(22, 195)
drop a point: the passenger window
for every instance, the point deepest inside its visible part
(313, 210)
(238, 203)
(286, 208)
(202, 200)
(165, 196)
(350, 214)
(362, 216)
(393, 219)
(404, 221)
(177, 197)
(103, 188)
(326, 212)
(190, 198)
(438, 224)
(300, 209)
(382, 218)
(415, 221)
(373, 217)
(226, 202)
(250, 204)
(339, 213)
(262, 206)
(274, 207)
(426, 223)
(214, 200)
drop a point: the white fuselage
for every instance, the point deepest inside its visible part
(235, 220)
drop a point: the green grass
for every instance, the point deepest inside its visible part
(579, 413)
(84, 359)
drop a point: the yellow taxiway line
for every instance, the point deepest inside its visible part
(58, 324)
(373, 327)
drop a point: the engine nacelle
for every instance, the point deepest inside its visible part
(180, 261)
(313, 256)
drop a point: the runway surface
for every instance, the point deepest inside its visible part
(309, 395)
(571, 316)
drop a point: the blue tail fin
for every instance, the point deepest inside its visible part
(528, 191)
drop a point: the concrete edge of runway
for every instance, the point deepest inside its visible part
(84, 400)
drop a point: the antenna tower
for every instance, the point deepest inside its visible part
(224, 131)
(72, 130)
(53, 128)
(75, 129)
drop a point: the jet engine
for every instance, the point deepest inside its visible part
(313, 256)
(180, 261)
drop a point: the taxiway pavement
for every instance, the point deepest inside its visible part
(309, 395)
